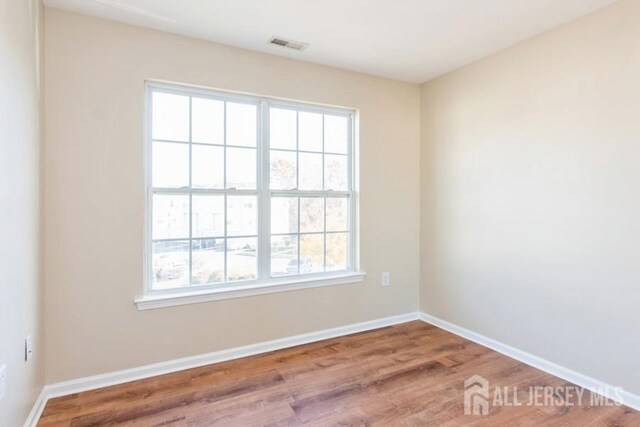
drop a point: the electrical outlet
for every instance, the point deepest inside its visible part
(28, 348)
(3, 380)
(386, 279)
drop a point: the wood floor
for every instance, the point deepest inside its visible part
(406, 375)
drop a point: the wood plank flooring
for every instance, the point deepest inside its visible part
(406, 375)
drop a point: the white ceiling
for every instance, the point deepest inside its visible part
(411, 40)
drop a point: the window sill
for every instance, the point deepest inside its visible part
(150, 302)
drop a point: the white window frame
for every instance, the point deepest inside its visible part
(264, 283)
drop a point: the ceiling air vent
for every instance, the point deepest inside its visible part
(279, 41)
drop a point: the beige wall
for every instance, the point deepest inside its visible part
(530, 166)
(95, 72)
(20, 284)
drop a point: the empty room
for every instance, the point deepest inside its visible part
(319, 213)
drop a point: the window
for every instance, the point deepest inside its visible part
(245, 191)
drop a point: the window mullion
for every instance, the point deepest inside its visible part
(224, 185)
(310, 193)
(190, 193)
(324, 209)
(264, 202)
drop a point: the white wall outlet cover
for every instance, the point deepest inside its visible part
(3, 380)
(386, 278)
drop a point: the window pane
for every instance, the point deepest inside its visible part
(241, 168)
(283, 170)
(337, 250)
(170, 119)
(284, 215)
(311, 253)
(337, 214)
(310, 131)
(311, 214)
(284, 255)
(241, 124)
(242, 215)
(208, 215)
(170, 165)
(242, 259)
(207, 167)
(207, 121)
(208, 261)
(170, 216)
(170, 264)
(282, 128)
(335, 173)
(335, 134)
(310, 171)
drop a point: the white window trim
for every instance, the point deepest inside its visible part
(154, 298)
(294, 283)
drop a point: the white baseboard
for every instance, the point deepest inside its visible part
(127, 375)
(629, 399)
(37, 409)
